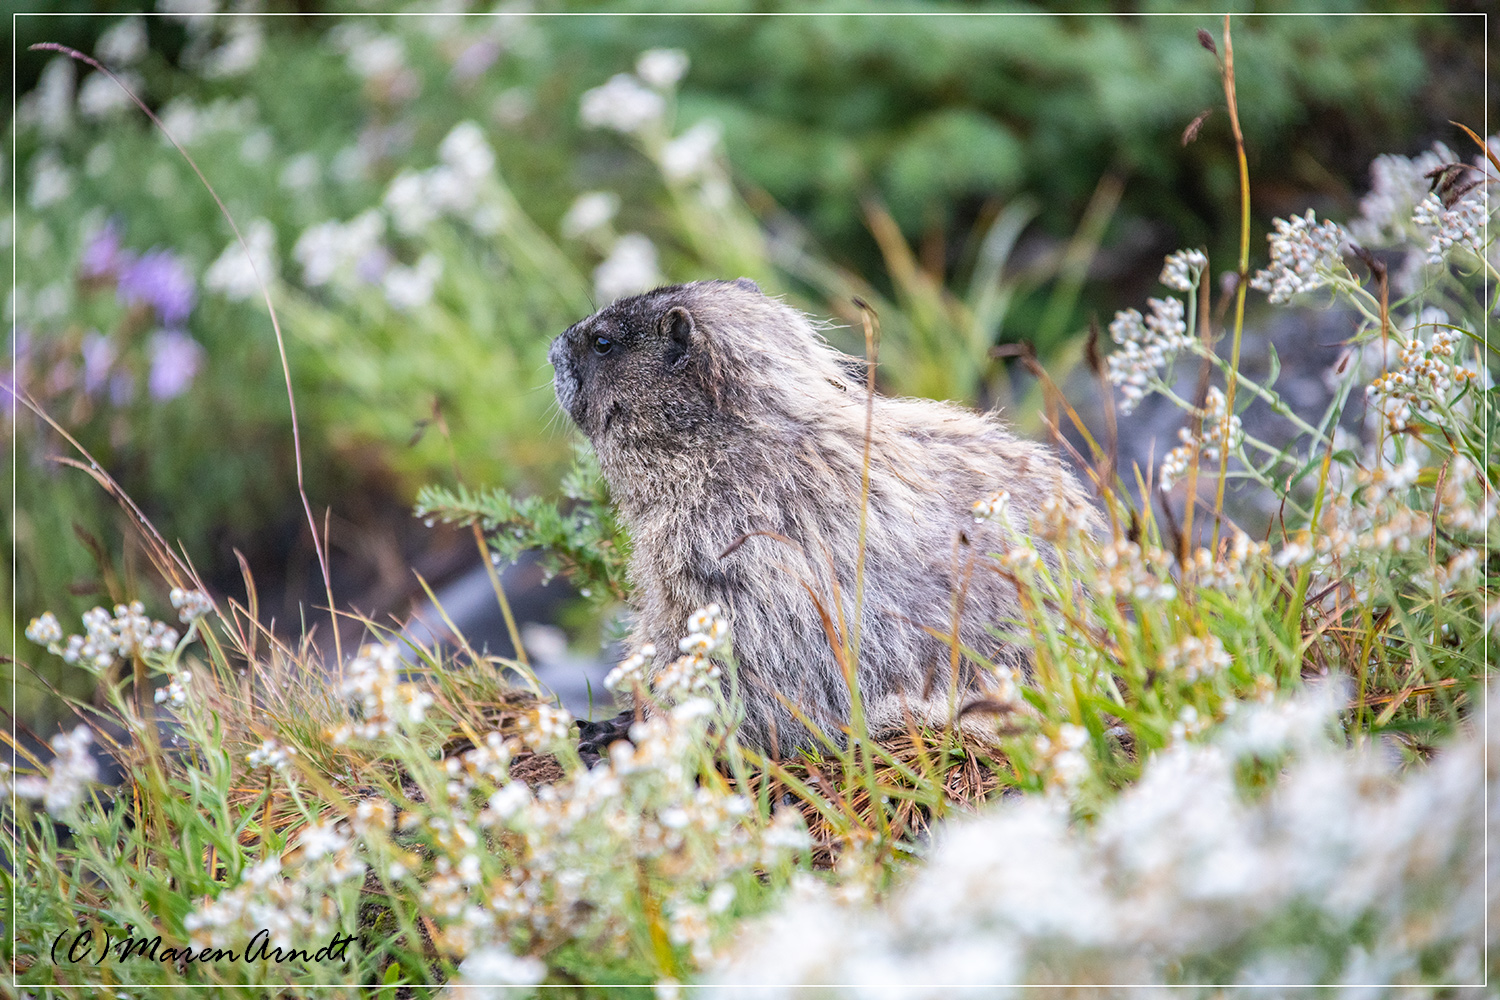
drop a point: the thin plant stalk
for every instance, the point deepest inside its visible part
(1242, 275)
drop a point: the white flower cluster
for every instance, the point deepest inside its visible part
(1145, 346)
(695, 672)
(237, 274)
(634, 103)
(1128, 571)
(590, 215)
(995, 507)
(1461, 225)
(125, 634)
(373, 679)
(1398, 184)
(1360, 527)
(1305, 254)
(1218, 428)
(691, 155)
(1183, 270)
(190, 604)
(631, 672)
(290, 909)
(72, 770)
(546, 725)
(1229, 571)
(576, 850)
(1067, 765)
(175, 693)
(630, 268)
(1194, 658)
(455, 187)
(1429, 375)
(271, 754)
(1182, 879)
(341, 251)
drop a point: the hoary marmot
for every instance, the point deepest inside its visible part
(732, 438)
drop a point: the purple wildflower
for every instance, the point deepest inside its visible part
(102, 256)
(98, 358)
(175, 359)
(160, 279)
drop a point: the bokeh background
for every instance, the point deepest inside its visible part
(433, 195)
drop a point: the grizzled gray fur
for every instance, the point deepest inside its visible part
(718, 412)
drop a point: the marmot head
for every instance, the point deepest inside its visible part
(655, 368)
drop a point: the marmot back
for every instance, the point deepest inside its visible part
(719, 413)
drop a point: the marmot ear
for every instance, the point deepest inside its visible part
(681, 335)
(746, 284)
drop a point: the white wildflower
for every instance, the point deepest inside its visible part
(51, 181)
(239, 53)
(1461, 225)
(100, 97)
(191, 604)
(73, 767)
(708, 631)
(273, 755)
(467, 152)
(1195, 658)
(372, 680)
(630, 268)
(49, 107)
(622, 104)
(123, 44)
(409, 202)
(662, 68)
(370, 54)
(631, 672)
(1182, 269)
(1145, 346)
(493, 973)
(1304, 256)
(237, 273)
(332, 250)
(301, 172)
(45, 630)
(691, 154)
(546, 725)
(175, 693)
(408, 288)
(1398, 184)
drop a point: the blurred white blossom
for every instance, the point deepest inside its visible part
(332, 250)
(123, 43)
(623, 104)
(591, 212)
(691, 154)
(51, 181)
(1182, 879)
(630, 268)
(238, 54)
(408, 288)
(237, 274)
(662, 68)
(100, 97)
(63, 785)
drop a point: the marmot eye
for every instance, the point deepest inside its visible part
(603, 345)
